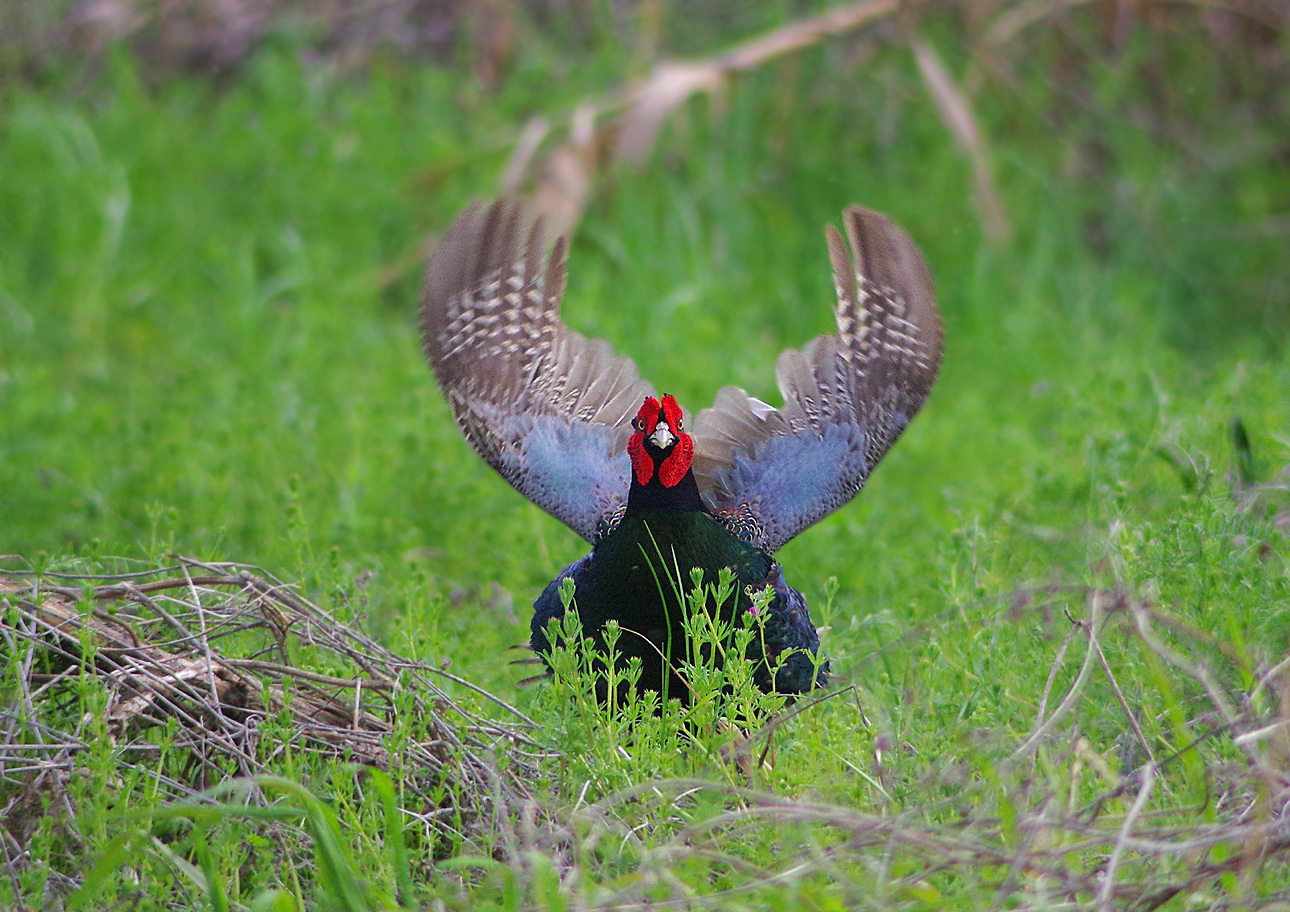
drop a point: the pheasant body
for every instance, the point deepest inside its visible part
(553, 413)
(631, 577)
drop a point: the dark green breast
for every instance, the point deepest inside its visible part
(640, 575)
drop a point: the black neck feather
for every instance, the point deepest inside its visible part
(681, 498)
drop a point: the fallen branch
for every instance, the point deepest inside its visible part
(624, 125)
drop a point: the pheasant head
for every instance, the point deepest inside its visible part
(660, 448)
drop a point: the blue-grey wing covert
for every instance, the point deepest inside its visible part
(768, 473)
(547, 408)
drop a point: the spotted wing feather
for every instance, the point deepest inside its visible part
(770, 473)
(547, 408)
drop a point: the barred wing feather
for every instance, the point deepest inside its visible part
(769, 473)
(547, 408)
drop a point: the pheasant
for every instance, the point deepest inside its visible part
(575, 429)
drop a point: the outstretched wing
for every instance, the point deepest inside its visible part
(769, 473)
(547, 408)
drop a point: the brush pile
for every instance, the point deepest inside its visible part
(196, 662)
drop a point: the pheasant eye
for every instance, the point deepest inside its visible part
(671, 413)
(647, 417)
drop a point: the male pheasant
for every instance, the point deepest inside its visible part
(577, 431)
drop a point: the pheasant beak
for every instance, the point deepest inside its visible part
(662, 438)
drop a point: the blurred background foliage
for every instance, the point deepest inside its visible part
(1144, 107)
(214, 215)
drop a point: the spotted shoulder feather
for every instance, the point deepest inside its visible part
(547, 408)
(768, 472)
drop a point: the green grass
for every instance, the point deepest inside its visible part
(208, 345)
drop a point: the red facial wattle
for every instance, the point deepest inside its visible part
(645, 421)
(642, 465)
(677, 462)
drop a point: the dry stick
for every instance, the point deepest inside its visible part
(307, 610)
(769, 728)
(1180, 625)
(12, 853)
(1093, 629)
(24, 667)
(1024, 15)
(123, 590)
(1208, 872)
(58, 631)
(483, 693)
(151, 604)
(517, 165)
(1200, 672)
(956, 111)
(293, 672)
(1165, 841)
(639, 110)
(1052, 672)
(95, 576)
(939, 847)
(164, 684)
(1113, 865)
(52, 681)
(204, 642)
(1124, 705)
(672, 82)
(805, 32)
(1274, 672)
(238, 572)
(1259, 734)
